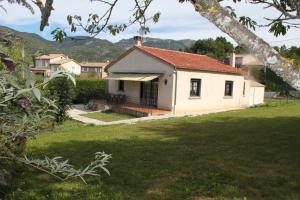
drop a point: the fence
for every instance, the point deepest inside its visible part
(280, 98)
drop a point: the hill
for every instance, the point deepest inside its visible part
(83, 48)
(158, 43)
(80, 48)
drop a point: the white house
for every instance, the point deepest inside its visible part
(180, 82)
(98, 68)
(48, 64)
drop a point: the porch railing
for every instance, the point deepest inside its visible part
(139, 106)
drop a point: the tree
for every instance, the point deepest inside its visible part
(61, 90)
(223, 17)
(22, 110)
(217, 48)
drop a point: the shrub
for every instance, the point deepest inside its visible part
(61, 90)
(87, 89)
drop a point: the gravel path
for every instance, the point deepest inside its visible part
(79, 110)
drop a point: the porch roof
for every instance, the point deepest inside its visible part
(132, 77)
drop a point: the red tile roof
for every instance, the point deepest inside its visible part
(183, 60)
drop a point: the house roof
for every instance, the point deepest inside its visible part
(255, 84)
(183, 60)
(50, 56)
(61, 62)
(94, 64)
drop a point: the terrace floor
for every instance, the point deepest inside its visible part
(147, 111)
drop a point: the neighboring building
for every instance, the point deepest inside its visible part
(180, 82)
(246, 62)
(93, 69)
(48, 64)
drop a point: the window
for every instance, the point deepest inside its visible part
(44, 63)
(228, 88)
(195, 89)
(121, 86)
(244, 89)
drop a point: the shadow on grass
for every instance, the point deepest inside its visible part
(218, 157)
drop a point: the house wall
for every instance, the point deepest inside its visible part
(212, 92)
(72, 67)
(256, 96)
(42, 63)
(138, 62)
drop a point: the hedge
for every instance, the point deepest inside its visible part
(89, 88)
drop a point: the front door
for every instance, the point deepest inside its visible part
(149, 93)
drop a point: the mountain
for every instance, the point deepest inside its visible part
(79, 48)
(84, 48)
(158, 43)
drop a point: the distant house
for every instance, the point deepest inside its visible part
(48, 64)
(93, 68)
(245, 61)
(180, 82)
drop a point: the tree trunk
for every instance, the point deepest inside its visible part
(219, 16)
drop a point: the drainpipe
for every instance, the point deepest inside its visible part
(175, 95)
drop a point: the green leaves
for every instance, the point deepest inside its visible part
(59, 34)
(156, 17)
(37, 93)
(248, 22)
(231, 11)
(278, 28)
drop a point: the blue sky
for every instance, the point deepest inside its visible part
(178, 21)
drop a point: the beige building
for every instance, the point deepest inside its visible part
(93, 69)
(180, 82)
(48, 64)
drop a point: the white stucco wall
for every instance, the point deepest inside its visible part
(72, 67)
(256, 96)
(212, 92)
(138, 62)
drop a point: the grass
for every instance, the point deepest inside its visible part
(109, 116)
(252, 153)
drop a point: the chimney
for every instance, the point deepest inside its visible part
(232, 59)
(138, 40)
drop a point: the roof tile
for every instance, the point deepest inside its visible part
(183, 60)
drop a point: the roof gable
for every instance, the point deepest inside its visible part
(183, 60)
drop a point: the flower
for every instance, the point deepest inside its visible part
(25, 103)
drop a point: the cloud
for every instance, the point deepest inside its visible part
(178, 21)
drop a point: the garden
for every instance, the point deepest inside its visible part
(245, 154)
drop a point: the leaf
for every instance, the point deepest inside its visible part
(23, 91)
(37, 93)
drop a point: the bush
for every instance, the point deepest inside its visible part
(87, 89)
(62, 91)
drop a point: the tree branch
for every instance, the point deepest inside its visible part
(219, 16)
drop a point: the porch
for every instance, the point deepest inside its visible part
(140, 107)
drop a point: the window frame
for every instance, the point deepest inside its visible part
(198, 86)
(121, 85)
(230, 94)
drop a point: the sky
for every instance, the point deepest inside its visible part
(178, 21)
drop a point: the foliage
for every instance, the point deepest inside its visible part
(22, 110)
(88, 88)
(292, 53)
(251, 153)
(288, 11)
(218, 48)
(61, 90)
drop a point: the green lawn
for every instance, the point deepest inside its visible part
(109, 116)
(253, 153)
